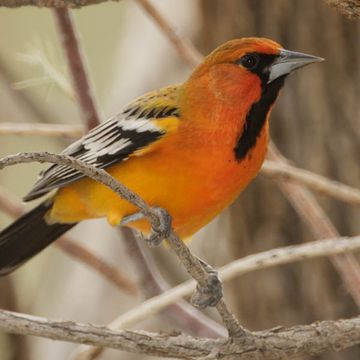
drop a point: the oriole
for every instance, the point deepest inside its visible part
(189, 148)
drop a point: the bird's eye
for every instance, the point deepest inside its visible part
(249, 61)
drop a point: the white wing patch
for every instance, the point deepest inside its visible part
(111, 142)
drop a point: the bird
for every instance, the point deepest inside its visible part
(190, 148)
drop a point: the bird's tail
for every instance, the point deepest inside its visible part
(27, 236)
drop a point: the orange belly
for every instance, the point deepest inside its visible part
(193, 186)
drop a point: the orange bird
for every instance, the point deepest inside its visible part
(189, 148)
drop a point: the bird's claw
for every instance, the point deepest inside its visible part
(211, 293)
(162, 230)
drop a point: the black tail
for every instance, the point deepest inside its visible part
(27, 236)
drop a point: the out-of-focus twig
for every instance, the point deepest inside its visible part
(76, 62)
(38, 129)
(312, 181)
(78, 252)
(21, 97)
(18, 344)
(184, 47)
(320, 226)
(350, 8)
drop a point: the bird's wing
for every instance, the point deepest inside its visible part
(128, 133)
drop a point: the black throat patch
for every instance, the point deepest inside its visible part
(256, 117)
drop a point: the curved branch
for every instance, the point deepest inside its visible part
(190, 262)
(320, 225)
(312, 181)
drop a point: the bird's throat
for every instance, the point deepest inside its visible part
(256, 118)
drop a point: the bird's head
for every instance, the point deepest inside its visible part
(247, 67)
(262, 57)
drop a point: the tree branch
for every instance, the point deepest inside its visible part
(191, 263)
(273, 344)
(184, 47)
(320, 226)
(314, 182)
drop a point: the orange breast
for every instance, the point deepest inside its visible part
(192, 172)
(193, 177)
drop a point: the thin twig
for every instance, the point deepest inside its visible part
(76, 62)
(21, 97)
(39, 129)
(184, 47)
(312, 181)
(320, 225)
(191, 263)
(273, 344)
(78, 252)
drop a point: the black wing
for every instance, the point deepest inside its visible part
(111, 142)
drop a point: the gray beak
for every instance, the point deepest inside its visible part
(288, 61)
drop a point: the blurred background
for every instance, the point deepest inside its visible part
(315, 124)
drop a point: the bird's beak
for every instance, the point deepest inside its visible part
(288, 61)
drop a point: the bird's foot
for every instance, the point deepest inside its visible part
(211, 293)
(160, 231)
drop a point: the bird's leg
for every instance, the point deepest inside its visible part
(204, 296)
(160, 229)
(212, 292)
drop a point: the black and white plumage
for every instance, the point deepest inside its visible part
(112, 141)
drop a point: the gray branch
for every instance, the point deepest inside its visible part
(274, 344)
(190, 262)
(279, 343)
